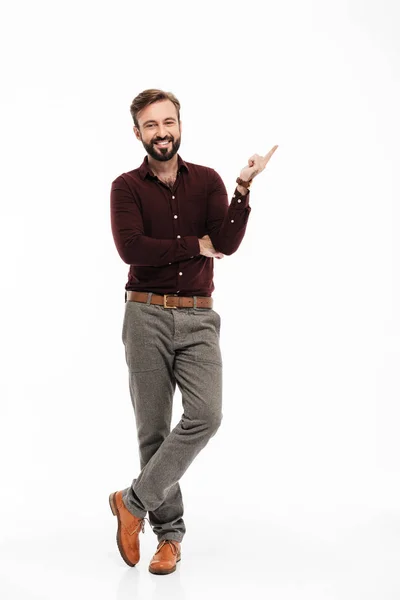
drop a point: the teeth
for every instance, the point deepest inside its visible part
(162, 143)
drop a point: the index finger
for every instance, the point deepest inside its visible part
(270, 153)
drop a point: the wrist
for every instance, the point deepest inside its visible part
(243, 184)
(242, 190)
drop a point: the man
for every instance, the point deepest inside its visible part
(170, 219)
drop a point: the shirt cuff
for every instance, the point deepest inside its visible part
(240, 200)
(193, 245)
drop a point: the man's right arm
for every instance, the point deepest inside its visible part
(133, 246)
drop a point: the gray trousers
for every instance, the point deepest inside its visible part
(165, 347)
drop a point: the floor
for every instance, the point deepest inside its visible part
(347, 554)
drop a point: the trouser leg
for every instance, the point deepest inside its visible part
(147, 336)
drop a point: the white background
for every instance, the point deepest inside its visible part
(297, 496)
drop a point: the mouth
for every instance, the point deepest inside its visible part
(162, 144)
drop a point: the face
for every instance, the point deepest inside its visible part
(158, 122)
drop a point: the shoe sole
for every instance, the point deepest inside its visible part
(165, 571)
(115, 512)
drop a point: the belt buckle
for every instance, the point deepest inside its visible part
(165, 301)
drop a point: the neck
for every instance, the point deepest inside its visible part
(163, 168)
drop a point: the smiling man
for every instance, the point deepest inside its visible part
(170, 218)
(162, 151)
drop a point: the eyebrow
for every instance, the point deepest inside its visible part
(153, 121)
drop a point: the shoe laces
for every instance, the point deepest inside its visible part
(140, 525)
(172, 544)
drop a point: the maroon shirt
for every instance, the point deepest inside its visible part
(156, 228)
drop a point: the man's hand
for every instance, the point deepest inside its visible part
(207, 248)
(257, 164)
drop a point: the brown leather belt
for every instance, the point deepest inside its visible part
(170, 300)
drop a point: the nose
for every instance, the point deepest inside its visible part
(162, 133)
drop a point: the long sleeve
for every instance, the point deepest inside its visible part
(133, 246)
(226, 223)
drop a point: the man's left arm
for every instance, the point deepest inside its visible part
(226, 222)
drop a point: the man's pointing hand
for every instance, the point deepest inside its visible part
(257, 164)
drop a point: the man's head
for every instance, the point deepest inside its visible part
(156, 115)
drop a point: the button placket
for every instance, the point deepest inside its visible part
(175, 212)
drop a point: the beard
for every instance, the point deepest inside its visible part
(160, 153)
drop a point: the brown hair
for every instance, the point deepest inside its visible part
(148, 97)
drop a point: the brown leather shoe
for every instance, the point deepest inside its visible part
(167, 555)
(129, 528)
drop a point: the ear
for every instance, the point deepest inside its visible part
(136, 132)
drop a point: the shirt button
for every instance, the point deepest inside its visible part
(170, 263)
(234, 195)
(178, 236)
(173, 197)
(177, 291)
(239, 200)
(192, 257)
(232, 220)
(175, 216)
(180, 273)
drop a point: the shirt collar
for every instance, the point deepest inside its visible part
(144, 169)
